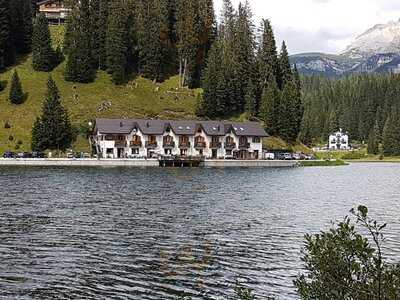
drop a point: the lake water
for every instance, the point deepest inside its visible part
(166, 233)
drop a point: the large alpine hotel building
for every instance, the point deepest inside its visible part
(130, 138)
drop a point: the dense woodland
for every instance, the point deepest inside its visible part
(235, 61)
(366, 106)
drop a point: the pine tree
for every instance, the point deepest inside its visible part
(154, 39)
(270, 107)
(244, 47)
(21, 15)
(99, 20)
(116, 42)
(7, 51)
(285, 71)
(391, 134)
(267, 55)
(43, 55)
(79, 67)
(213, 102)
(287, 113)
(373, 140)
(16, 93)
(251, 98)
(53, 129)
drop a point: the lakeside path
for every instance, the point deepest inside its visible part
(64, 162)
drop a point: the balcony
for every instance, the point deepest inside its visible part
(151, 144)
(200, 145)
(169, 144)
(244, 146)
(136, 144)
(230, 146)
(215, 145)
(120, 144)
(184, 145)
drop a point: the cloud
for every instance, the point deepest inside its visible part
(321, 25)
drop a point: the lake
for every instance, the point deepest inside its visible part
(154, 233)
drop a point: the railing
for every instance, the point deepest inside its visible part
(169, 144)
(137, 144)
(244, 146)
(184, 145)
(151, 145)
(120, 144)
(200, 145)
(230, 146)
(215, 145)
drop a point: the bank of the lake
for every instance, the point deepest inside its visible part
(155, 233)
(323, 163)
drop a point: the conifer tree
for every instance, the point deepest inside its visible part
(267, 55)
(373, 140)
(117, 42)
(79, 67)
(287, 113)
(7, 51)
(21, 15)
(16, 93)
(391, 134)
(285, 71)
(213, 102)
(53, 129)
(43, 55)
(270, 107)
(251, 98)
(99, 20)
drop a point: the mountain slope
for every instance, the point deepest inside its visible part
(375, 51)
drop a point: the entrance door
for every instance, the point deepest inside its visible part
(214, 153)
(256, 154)
(120, 152)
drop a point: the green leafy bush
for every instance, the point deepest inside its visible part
(343, 264)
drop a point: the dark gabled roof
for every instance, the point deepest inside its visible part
(158, 127)
(247, 129)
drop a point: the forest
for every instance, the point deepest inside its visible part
(366, 106)
(236, 63)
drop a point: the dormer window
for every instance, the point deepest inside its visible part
(199, 130)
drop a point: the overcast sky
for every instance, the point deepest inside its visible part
(321, 25)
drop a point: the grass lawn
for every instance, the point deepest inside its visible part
(138, 98)
(323, 163)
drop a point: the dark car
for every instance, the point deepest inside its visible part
(9, 154)
(37, 154)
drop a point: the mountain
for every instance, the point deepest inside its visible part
(375, 51)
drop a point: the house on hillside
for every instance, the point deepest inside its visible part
(54, 10)
(339, 141)
(134, 138)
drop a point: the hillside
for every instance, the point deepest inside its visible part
(138, 98)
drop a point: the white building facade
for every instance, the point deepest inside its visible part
(339, 141)
(130, 138)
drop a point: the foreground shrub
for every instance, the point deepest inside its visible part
(343, 264)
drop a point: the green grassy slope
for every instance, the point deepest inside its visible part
(138, 98)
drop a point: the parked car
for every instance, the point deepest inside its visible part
(37, 154)
(269, 156)
(24, 155)
(9, 154)
(287, 156)
(297, 156)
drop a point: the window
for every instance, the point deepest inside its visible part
(184, 152)
(152, 139)
(215, 139)
(228, 152)
(256, 139)
(135, 151)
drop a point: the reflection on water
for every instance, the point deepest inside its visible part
(168, 233)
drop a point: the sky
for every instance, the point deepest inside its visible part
(327, 26)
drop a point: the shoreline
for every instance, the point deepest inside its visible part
(142, 163)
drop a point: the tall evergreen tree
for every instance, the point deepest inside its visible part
(53, 129)
(79, 67)
(285, 70)
(391, 134)
(43, 55)
(7, 51)
(99, 20)
(251, 98)
(267, 55)
(270, 107)
(16, 93)
(373, 140)
(116, 42)
(22, 27)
